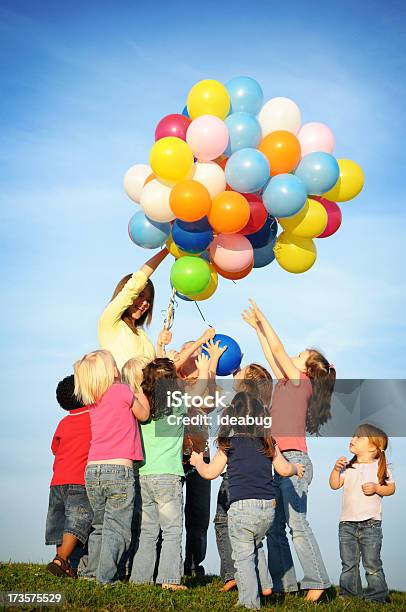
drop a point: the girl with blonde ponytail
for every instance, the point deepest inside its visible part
(366, 478)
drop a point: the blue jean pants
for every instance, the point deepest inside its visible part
(110, 489)
(362, 540)
(161, 509)
(248, 522)
(291, 509)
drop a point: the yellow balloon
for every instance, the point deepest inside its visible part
(295, 254)
(208, 97)
(176, 251)
(349, 184)
(210, 289)
(171, 159)
(309, 222)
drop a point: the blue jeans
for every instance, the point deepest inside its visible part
(161, 509)
(110, 489)
(362, 540)
(291, 509)
(248, 522)
(69, 511)
(227, 570)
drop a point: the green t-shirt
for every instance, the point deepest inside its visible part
(162, 442)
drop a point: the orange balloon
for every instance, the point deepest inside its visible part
(235, 275)
(282, 150)
(229, 212)
(190, 200)
(149, 178)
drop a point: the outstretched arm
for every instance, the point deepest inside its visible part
(250, 317)
(151, 265)
(281, 357)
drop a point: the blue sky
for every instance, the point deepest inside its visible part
(82, 88)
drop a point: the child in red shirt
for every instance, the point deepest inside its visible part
(70, 515)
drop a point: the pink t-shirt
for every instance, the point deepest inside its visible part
(288, 411)
(115, 432)
(357, 506)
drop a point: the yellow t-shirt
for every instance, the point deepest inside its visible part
(115, 335)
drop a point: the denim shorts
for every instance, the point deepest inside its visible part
(69, 511)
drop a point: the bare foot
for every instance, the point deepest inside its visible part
(266, 592)
(174, 587)
(228, 586)
(314, 594)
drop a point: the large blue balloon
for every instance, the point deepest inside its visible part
(244, 131)
(264, 255)
(230, 360)
(319, 172)
(246, 95)
(201, 225)
(265, 235)
(247, 170)
(147, 233)
(284, 195)
(190, 241)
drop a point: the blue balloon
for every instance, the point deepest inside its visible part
(231, 359)
(319, 172)
(265, 235)
(185, 112)
(247, 170)
(244, 131)
(264, 255)
(147, 233)
(201, 225)
(246, 95)
(190, 241)
(284, 195)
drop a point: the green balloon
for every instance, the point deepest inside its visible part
(190, 275)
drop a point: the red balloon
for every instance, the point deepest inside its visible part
(334, 216)
(172, 125)
(234, 275)
(258, 214)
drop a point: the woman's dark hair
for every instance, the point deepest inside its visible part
(65, 394)
(126, 316)
(245, 404)
(323, 377)
(159, 378)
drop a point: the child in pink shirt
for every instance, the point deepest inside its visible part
(109, 476)
(366, 479)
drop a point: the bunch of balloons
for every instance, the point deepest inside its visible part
(225, 173)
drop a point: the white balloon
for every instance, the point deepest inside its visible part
(155, 201)
(134, 180)
(212, 176)
(280, 114)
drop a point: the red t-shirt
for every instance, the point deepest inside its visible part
(289, 411)
(70, 445)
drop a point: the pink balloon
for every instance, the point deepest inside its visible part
(334, 216)
(207, 136)
(172, 125)
(231, 252)
(315, 137)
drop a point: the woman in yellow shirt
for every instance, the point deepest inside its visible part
(120, 325)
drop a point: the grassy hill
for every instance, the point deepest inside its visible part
(202, 595)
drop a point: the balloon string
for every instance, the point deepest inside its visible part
(201, 314)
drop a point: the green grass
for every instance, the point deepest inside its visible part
(202, 595)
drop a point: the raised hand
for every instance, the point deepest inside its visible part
(202, 363)
(165, 337)
(249, 317)
(214, 349)
(207, 335)
(340, 464)
(257, 311)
